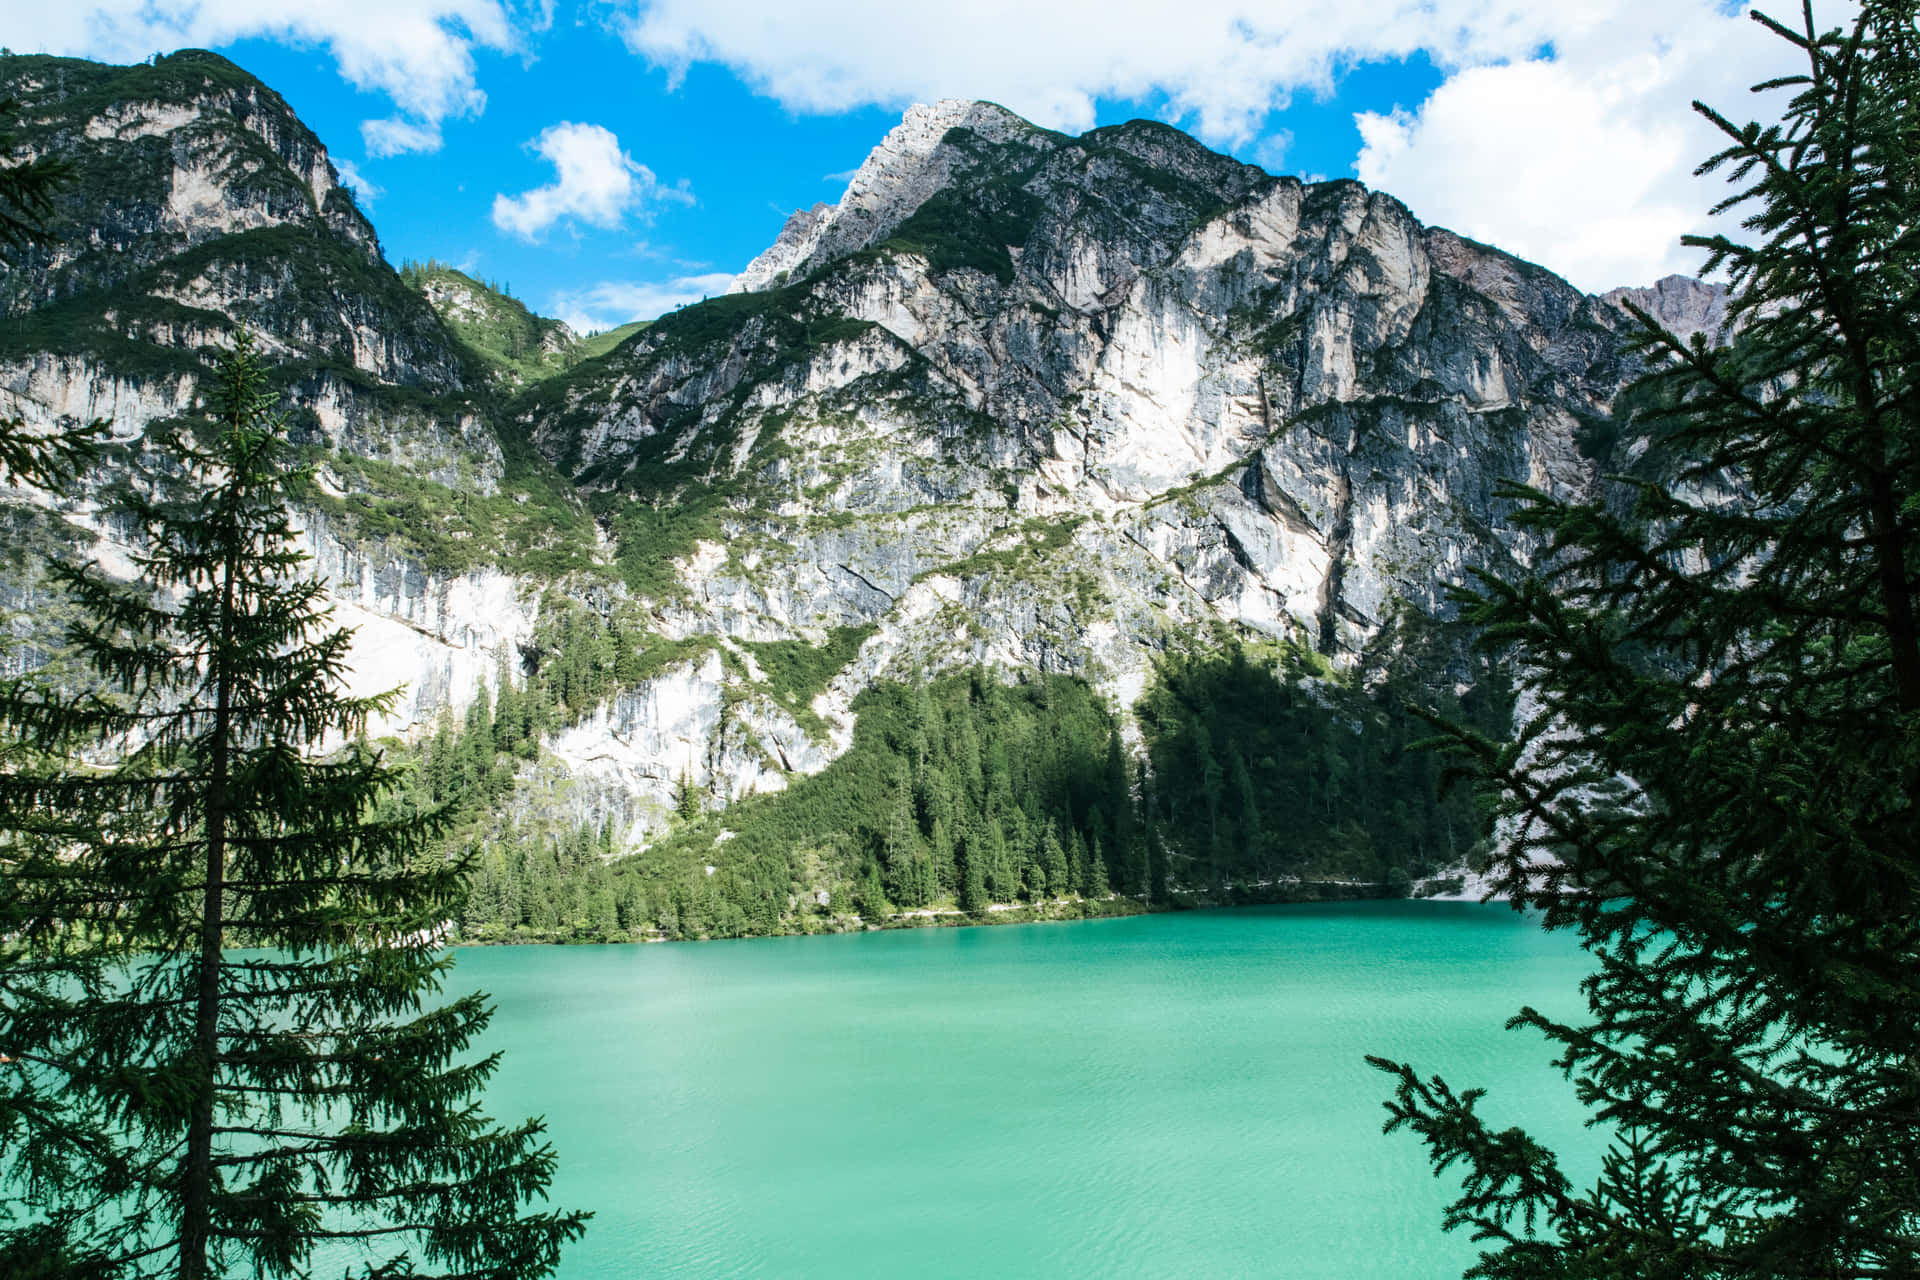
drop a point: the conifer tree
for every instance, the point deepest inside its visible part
(975, 859)
(223, 1044)
(1095, 886)
(1051, 865)
(1718, 788)
(686, 798)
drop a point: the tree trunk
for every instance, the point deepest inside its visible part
(196, 1211)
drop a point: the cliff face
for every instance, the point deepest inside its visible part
(201, 205)
(1063, 403)
(1047, 403)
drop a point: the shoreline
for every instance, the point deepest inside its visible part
(1450, 889)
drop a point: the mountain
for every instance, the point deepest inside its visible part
(1063, 403)
(517, 345)
(1187, 452)
(200, 204)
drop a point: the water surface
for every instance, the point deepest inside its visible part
(1171, 1095)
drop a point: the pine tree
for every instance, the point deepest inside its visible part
(1095, 886)
(1053, 877)
(686, 798)
(476, 741)
(508, 711)
(1076, 865)
(940, 852)
(1718, 788)
(443, 762)
(975, 860)
(220, 1015)
(900, 850)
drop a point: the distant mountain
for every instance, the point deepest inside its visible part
(1103, 409)
(203, 204)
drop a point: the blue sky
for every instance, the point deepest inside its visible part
(608, 159)
(747, 160)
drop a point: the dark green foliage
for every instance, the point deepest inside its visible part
(648, 538)
(972, 228)
(962, 754)
(719, 320)
(221, 1020)
(797, 671)
(1717, 789)
(27, 189)
(967, 792)
(949, 795)
(1265, 779)
(584, 652)
(545, 883)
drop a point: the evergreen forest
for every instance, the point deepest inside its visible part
(967, 798)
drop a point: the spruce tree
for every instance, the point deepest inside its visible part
(224, 1046)
(1716, 786)
(686, 798)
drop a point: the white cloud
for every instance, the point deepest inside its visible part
(396, 136)
(615, 302)
(365, 191)
(595, 182)
(1583, 162)
(1579, 157)
(419, 53)
(1223, 63)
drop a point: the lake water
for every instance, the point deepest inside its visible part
(1170, 1095)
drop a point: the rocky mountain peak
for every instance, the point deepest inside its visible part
(911, 163)
(1680, 303)
(1052, 405)
(172, 154)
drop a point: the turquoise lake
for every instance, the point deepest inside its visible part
(1170, 1095)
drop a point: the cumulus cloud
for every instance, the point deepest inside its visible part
(396, 136)
(1561, 132)
(595, 182)
(419, 53)
(616, 302)
(1583, 162)
(1222, 63)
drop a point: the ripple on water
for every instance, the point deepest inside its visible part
(1158, 1096)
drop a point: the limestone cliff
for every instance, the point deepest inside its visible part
(1041, 402)
(1063, 403)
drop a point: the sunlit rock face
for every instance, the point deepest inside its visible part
(1063, 403)
(1048, 403)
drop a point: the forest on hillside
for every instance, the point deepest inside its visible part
(1264, 776)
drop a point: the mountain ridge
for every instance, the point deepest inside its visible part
(1095, 408)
